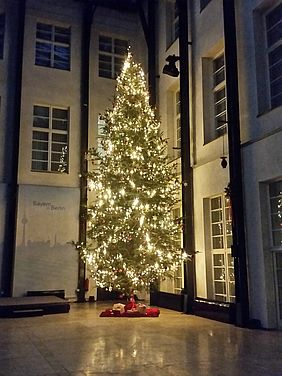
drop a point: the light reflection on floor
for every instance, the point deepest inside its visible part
(81, 343)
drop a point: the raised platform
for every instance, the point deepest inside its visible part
(32, 306)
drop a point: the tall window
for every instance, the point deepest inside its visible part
(111, 56)
(177, 124)
(273, 22)
(221, 239)
(52, 46)
(219, 95)
(172, 22)
(275, 195)
(175, 21)
(101, 125)
(49, 138)
(178, 275)
(2, 34)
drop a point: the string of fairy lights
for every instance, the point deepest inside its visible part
(133, 239)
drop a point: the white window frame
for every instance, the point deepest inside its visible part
(175, 22)
(218, 87)
(2, 34)
(177, 127)
(100, 135)
(276, 247)
(274, 99)
(49, 40)
(178, 278)
(111, 56)
(221, 228)
(172, 22)
(47, 133)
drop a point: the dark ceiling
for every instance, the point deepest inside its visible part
(128, 5)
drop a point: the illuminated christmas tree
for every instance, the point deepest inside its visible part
(133, 239)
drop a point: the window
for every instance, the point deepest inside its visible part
(221, 239)
(178, 275)
(177, 124)
(275, 193)
(214, 97)
(49, 138)
(175, 22)
(111, 56)
(273, 22)
(172, 22)
(275, 196)
(278, 269)
(2, 34)
(52, 46)
(101, 125)
(219, 95)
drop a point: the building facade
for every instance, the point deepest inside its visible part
(43, 135)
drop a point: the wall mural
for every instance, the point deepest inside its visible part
(47, 223)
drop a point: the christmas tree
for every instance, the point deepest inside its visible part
(133, 239)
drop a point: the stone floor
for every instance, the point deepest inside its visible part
(81, 343)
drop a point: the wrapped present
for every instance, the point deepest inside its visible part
(119, 307)
(141, 308)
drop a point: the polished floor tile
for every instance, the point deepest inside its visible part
(80, 343)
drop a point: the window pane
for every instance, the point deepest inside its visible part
(218, 63)
(120, 47)
(217, 242)
(43, 54)
(118, 65)
(216, 203)
(39, 166)
(217, 229)
(279, 261)
(276, 101)
(40, 155)
(62, 35)
(39, 145)
(220, 107)
(41, 111)
(55, 167)
(56, 137)
(40, 122)
(277, 238)
(276, 71)
(2, 33)
(44, 31)
(216, 216)
(275, 192)
(220, 287)
(55, 157)
(60, 119)
(219, 274)
(105, 66)
(61, 57)
(276, 220)
(40, 136)
(105, 44)
(275, 55)
(229, 241)
(221, 121)
(218, 259)
(274, 34)
(274, 16)
(219, 77)
(276, 204)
